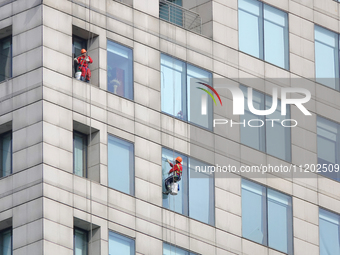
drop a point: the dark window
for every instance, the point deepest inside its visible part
(79, 154)
(5, 58)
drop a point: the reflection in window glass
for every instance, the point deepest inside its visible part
(5, 58)
(80, 242)
(169, 249)
(263, 32)
(327, 57)
(179, 203)
(329, 232)
(6, 242)
(121, 165)
(280, 221)
(201, 193)
(5, 154)
(119, 70)
(328, 142)
(267, 217)
(254, 212)
(173, 82)
(121, 245)
(79, 154)
(181, 97)
(272, 137)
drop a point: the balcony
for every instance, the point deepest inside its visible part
(180, 16)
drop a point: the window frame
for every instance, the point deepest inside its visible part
(179, 248)
(291, 230)
(186, 120)
(265, 95)
(262, 35)
(132, 71)
(331, 212)
(11, 153)
(133, 172)
(124, 236)
(86, 234)
(11, 230)
(84, 153)
(187, 200)
(11, 55)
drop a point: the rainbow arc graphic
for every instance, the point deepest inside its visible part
(204, 98)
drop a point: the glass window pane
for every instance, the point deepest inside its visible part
(79, 154)
(326, 57)
(5, 58)
(201, 193)
(6, 242)
(119, 70)
(280, 221)
(254, 212)
(250, 27)
(276, 37)
(121, 245)
(80, 242)
(178, 203)
(173, 250)
(171, 13)
(6, 154)
(121, 165)
(173, 90)
(328, 142)
(278, 141)
(194, 75)
(329, 233)
(253, 136)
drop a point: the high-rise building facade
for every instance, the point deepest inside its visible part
(82, 164)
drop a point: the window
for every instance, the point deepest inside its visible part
(6, 242)
(121, 165)
(119, 70)
(272, 137)
(5, 58)
(169, 249)
(328, 142)
(327, 57)
(329, 227)
(267, 217)
(5, 154)
(120, 245)
(170, 12)
(196, 194)
(80, 242)
(79, 154)
(263, 32)
(77, 45)
(180, 94)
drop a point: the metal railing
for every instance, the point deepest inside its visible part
(180, 16)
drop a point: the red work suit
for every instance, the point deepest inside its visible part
(177, 169)
(83, 66)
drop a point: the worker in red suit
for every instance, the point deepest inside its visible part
(83, 65)
(176, 174)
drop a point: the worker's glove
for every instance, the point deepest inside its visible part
(75, 59)
(87, 59)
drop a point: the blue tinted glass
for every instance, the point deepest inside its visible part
(121, 245)
(195, 75)
(120, 165)
(80, 242)
(6, 242)
(251, 27)
(253, 136)
(327, 57)
(201, 193)
(170, 12)
(6, 154)
(328, 142)
(119, 70)
(173, 90)
(329, 233)
(174, 250)
(79, 155)
(276, 37)
(254, 212)
(178, 203)
(278, 141)
(280, 221)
